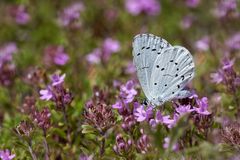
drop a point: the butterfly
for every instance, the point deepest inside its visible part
(163, 70)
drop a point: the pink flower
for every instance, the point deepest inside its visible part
(135, 7)
(71, 14)
(46, 94)
(6, 52)
(20, 14)
(224, 7)
(57, 79)
(141, 114)
(192, 3)
(104, 52)
(6, 155)
(187, 22)
(233, 43)
(217, 77)
(184, 109)
(55, 55)
(202, 44)
(94, 57)
(128, 92)
(202, 106)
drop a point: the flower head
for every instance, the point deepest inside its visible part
(57, 79)
(6, 155)
(192, 3)
(6, 52)
(142, 114)
(187, 22)
(55, 55)
(46, 94)
(184, 109)
(42, 119)
(217, 77)
(20, 14)
(122, 146)
(94, 57)
(202, 106)
(135, 7)
(143, 143)
(202, 44)
(24, 128)
(127, 92)
(233, 43)
(225, 8)
(71, 14)
(104, 52)
(99, 115)
(230, 133)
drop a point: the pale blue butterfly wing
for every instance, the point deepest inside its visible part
(163, 71)
(172, 70)
(146, 48)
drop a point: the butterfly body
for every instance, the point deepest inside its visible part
(163, 70)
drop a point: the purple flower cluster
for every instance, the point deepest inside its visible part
(142, 114)
(123, 147)
(42, 119)
(146, 114)
(20, 14)
(143, 143)
(71, 14)
(186, 22)
(233, 43)
(6, 53)
(126, 96)
(97, 113)
(135, 7)
(226, 75)
(226, 8)
(7, 67)
(55, 55)
(192, 3)
(203, 44)
(6, 155)
(104, 52)
(124, 105)
(56, 92)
